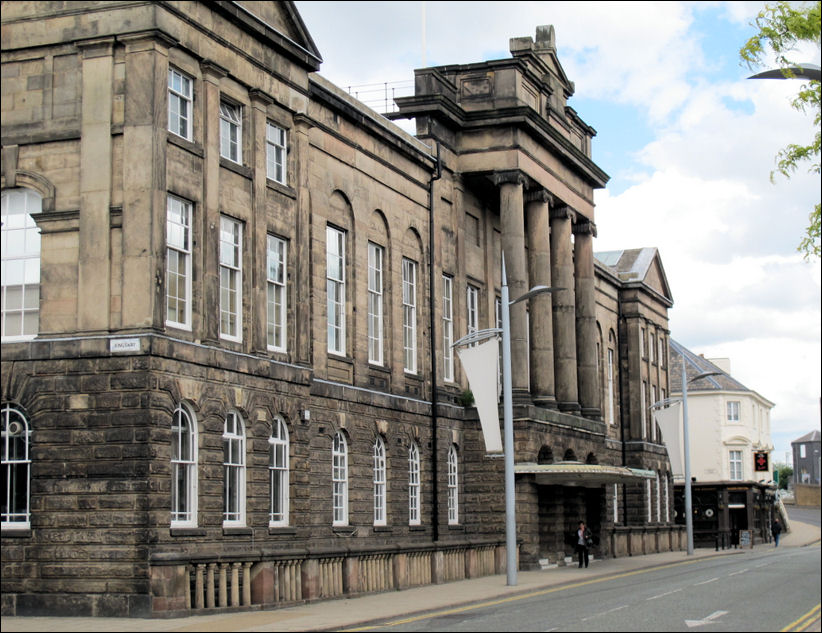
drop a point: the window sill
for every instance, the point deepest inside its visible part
(241, 170)
(383, 528)
(187, 531)
(237, 531)
(416, 528)
(282, 529)
(15, 532)
(185, 144)
(287, 191)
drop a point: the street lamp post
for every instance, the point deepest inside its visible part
(508, 425)
(689, 514)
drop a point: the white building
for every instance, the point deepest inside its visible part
(729, 423)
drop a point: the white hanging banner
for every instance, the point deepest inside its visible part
(669, 421)
(480, 364)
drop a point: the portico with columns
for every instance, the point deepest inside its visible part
(522, 158)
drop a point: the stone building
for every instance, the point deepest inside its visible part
(229, 296)
(806, 459)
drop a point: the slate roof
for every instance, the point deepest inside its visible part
(634, 265)
(813, 436)
(695, 365)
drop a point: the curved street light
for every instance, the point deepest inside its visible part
(800, 71)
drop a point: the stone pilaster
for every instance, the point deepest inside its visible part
(145, 134)
(541, 310)
(93, 269)
(586, 322)
(562, 275)
(212, 74)
(257, 230)
(512, 220)
(302, 245)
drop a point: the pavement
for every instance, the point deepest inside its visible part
(332, 615)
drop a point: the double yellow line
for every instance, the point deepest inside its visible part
(805, 621)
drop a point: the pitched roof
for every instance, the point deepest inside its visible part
(638, 266)
(695, 365)
(813, 436)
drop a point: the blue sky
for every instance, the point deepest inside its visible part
(688, 142)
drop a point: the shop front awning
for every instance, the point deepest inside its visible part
(578, 474)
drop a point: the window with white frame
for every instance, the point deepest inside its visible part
(335, 288)
(802, 451)
(178, 262)
(231, 132)
(183, 469)
(339, 480)
(20, 264)
(16, 464)
(616, 503)
(644, 408)
(379, 482)
(375, 305)
(642, 342)
(180, 96)
(278, 473)
(409, 315)
(472, 308)
(231, 278)
(414, 485)
(447, 328)
(651, 423)
(733, 410)
(648, 500)
(453, 487)
(234, 470)
(277, 300)
(736, 465)
(667, 500)
(658, 500)
(611, 394)
(651, 345)
(662, 355)
(276, 153)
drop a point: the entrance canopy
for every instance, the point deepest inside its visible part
(579, 474)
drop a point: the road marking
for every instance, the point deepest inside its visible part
(802, 623)
(624, 606)
(736, 573)
(523, 596)
(706, 582)
(667, 593)
(708, 620)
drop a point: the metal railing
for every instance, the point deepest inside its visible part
(380, 96)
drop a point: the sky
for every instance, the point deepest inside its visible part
(688, 142)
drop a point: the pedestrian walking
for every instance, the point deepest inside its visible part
(584, 541)
(776, 530)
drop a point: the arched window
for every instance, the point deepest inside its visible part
(20, 264)
(453, 487)
(234, 467)
(339, 479)
(16, 464)
(379, 482)
(183, 469)
(414, 485)
(278, 472)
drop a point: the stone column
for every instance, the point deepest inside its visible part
(512, 221)
(212, 73)
(302, 243)
(541, 311)
(562, 275)
(586, 320)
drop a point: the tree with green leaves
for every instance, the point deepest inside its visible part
(781, 27)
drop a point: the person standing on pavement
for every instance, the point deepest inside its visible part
(584, 541)
(776, 530)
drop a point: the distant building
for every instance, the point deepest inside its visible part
(730, 442)
(806, 457)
